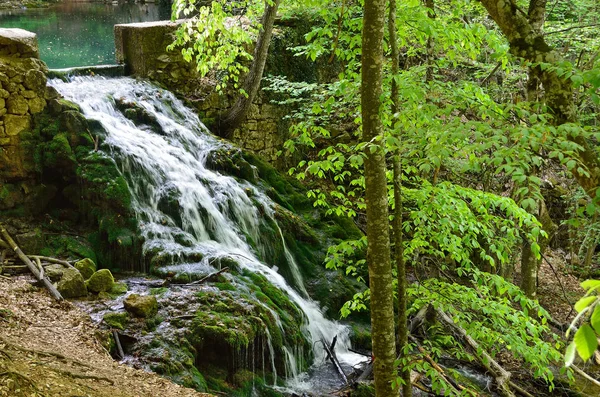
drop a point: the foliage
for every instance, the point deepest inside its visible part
(216, 36)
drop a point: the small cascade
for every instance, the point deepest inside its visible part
(186, 211)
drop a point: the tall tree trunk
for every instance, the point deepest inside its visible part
(402, 337)
(526, 42)
(529, 263)
(378, 250)
(232, 119)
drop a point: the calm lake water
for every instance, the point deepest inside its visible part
(80, 33)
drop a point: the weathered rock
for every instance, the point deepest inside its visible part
(119, 289)
(86, 267)
(35, 80)
(32, 242)
(36, 104)
(19, 41)
(71, 284)
(54, 272)
(141, 306)
(14, 125)
(17, 104)
(116, 320)
(101, 281)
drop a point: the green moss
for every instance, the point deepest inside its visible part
(57, 154)
(363, 390)
(226, 286)
(118, 289)
(101, 281)
(360, 337)
(158, 291)
(116, 320)
(151, 323)
(86, 267)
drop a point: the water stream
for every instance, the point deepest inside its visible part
(215, 215)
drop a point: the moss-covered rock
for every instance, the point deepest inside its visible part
(116, 320)
(101, 281)
(54, 272)
(86, 267)
(141, 306)
(118, 289)
(72, 284)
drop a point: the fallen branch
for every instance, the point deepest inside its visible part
(206, 278)
(331, 356)
(30, 264)
(502, 376)
(585, 375)
(118, 343)
(457, 387)
(51, 260)
(3, 244)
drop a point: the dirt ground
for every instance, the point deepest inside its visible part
(50, 348)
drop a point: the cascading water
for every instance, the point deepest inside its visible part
(215, 214)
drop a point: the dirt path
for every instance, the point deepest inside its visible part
(49, 349)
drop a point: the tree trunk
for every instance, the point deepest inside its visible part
(528, 43)
(378, 250)
(402, 326)
(232, 119)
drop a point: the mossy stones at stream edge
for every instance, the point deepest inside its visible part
(116, 320)
(141, 306)
(71, 284)
(101, 281)
(86, 267)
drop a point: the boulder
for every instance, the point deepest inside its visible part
(119, 289)
(71, 284)
(86, 267)
(101, 281)
(54, 272)
(31, 242)
(141, 306)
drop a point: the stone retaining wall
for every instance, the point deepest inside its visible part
(23, 94)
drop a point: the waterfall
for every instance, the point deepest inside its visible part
(215, 213)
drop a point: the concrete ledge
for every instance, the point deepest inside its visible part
(138, 45)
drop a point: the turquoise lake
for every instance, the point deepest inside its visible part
(76, 33)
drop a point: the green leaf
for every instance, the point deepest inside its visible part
(595, 320)
(590, 284)
(570, 354)
(585, 341)
(584, 302)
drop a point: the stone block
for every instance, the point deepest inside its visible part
(36, 105)
(35, 80)
(28, 94)
(16, 124)
(16, 104)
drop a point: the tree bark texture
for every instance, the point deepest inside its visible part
(402, 326)
(523, 32)
(378, 250)
(231, 120)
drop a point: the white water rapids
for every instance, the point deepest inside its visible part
(215, 210)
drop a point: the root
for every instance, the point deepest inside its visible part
(77, 375)
(44, 353)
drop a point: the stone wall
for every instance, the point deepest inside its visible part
(142, 48)
(23, 94)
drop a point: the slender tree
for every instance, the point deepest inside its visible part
(378, 251)
(402, 327)
(232, 119)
